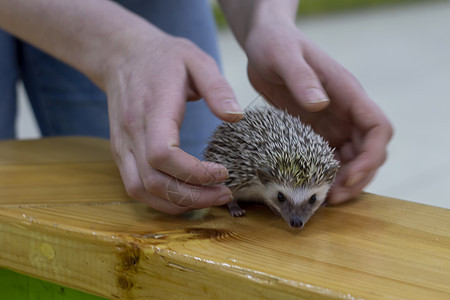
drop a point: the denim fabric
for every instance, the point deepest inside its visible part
(65, 102)
(8, 77)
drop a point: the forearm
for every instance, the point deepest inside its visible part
(243, 15)
(82, 33)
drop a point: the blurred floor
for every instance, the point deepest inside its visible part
(401, 55)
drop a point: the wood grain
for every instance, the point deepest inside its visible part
(64, 217)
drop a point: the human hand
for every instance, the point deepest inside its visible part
(291, 72)
(148, 76)
(148, 85)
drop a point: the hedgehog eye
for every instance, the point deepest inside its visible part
(281, 197)
(313, 199)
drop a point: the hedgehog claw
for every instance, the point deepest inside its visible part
(235, 209)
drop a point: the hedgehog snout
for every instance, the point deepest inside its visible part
(296, 222)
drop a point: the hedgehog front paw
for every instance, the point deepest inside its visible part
(235, 209)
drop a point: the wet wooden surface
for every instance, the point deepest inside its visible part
(65, 218)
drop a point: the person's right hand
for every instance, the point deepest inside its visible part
(147, 86)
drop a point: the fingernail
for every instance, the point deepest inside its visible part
(315, 95)
(217, 171)
(225, 199)
(231, 107)
(221, 175)
(355, 179)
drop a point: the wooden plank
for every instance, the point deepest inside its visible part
(63, 183)
(54, 150)
(58, 171)
(372, 248)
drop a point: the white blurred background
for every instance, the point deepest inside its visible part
(401, 55)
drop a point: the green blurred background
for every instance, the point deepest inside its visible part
(315, 7)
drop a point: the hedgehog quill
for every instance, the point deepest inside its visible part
(275, 159)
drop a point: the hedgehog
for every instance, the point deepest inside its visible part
(275, 159)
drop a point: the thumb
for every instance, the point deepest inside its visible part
(213, 87)
(304, 84)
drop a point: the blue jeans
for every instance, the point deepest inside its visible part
(65, 102)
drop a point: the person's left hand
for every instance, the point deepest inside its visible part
(291, 72)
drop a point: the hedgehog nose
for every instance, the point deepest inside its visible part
(296, 223)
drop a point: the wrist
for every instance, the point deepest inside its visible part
(268, 11)
(244, 16)
(268, 14)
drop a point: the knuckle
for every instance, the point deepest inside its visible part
(186, 47)
(379, 160)
(219, 87)
(384, 157)
(273, 56)
(158, 155)
(301, 72)
(184, 43)
(153, 185)
(130, 121)
(133, 190)
(307, 75)
(206, 58)
(390, 130)
(276, 60)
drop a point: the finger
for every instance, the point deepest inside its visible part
(303, 83)
(181, 193)
(261, 86)
(354, 174)
(340, 194)
(362, 157)
(173, 161)
(346, 152)
(372, 131)
(196, 196)
(216, 91)
(167, 194)
(192, 94)
(135, 187)
(371, 154)
(160, 148)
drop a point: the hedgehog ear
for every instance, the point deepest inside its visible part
(313, 179)
(335, 167)
(332, 171)
(264, 176)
